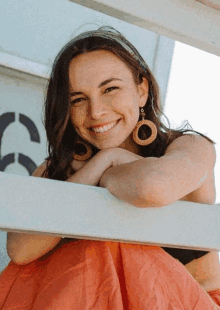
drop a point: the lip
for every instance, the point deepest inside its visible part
(103, 124)
(103, 133)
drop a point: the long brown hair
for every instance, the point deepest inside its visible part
(61, 134)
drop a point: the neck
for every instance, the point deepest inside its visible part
(131, 146)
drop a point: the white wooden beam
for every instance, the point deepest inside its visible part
(21, 66)
(37, 205)
(190, 22)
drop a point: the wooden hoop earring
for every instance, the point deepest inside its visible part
(88, 151)
(151, 138)
(149, 124)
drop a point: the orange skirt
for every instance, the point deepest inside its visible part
(86, 275)
(215, 295)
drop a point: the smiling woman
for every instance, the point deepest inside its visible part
(104, 128)
(65, 96)
(105, 106)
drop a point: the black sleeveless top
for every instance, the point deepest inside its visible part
(183, 255)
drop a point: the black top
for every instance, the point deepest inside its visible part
(183, 255)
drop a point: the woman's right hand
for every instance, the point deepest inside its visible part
(90, 172)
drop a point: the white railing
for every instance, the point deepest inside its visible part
(59, 208)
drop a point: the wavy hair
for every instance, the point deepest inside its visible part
(61, 134)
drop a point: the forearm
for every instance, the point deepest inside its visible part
(133, 182)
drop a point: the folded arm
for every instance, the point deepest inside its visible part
(155, 182)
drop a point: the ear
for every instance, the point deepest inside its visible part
(143, 89)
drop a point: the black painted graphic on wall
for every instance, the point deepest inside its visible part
(5, 120)
(31, 127)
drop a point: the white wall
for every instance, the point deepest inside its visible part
(36, 31)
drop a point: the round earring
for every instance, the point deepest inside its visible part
(149, 124)
(84, 145)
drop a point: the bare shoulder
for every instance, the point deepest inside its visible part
(187, 168)
(202, 154)
(40, 169)
(195, 146)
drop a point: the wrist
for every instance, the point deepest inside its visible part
(93, 170)
(107, 157)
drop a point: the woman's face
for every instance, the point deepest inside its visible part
(104, 99)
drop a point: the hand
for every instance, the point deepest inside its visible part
(116, 155)
(89, 172)
(119, 157)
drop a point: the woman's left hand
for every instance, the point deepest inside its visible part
(120, 156)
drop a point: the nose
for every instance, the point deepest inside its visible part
(97, 108)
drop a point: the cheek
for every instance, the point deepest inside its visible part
(134, 108)
(72, 116)
(77, 117)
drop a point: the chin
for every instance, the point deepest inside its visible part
(107, 146)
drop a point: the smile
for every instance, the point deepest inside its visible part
(104, 129)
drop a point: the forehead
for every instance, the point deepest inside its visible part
(97, 65)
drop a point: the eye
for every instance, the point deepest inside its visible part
(78, 100)
(110, 89)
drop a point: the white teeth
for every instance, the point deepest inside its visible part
(104, 128)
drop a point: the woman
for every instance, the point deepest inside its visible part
(104, 128)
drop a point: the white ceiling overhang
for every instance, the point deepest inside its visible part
(196, 23)
(215, 4)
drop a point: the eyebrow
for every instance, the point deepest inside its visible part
(100, 85)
